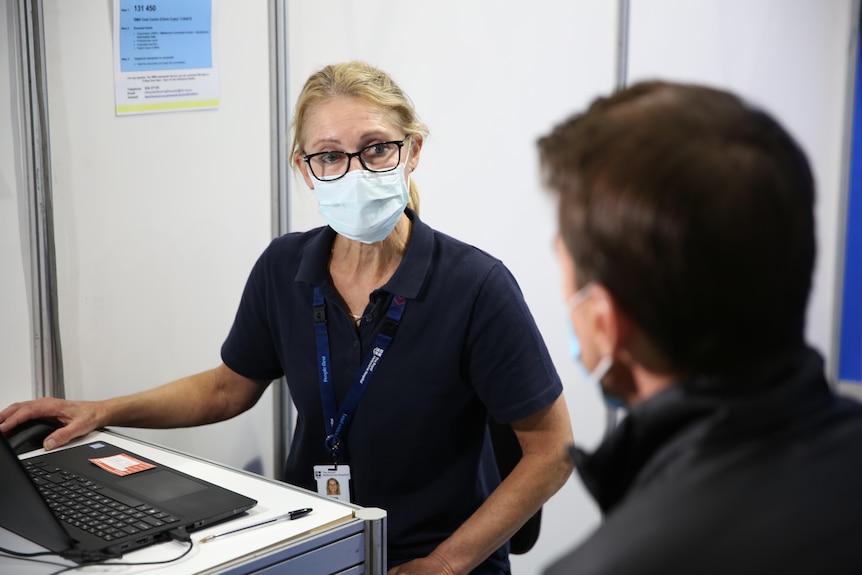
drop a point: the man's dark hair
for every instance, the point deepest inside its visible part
(695, 211)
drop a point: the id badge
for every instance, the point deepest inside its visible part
(333, 481)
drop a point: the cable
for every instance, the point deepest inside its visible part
(179, 534)
(21, 555)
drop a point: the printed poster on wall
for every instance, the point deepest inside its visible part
(164, 56)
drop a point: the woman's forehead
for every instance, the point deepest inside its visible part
(348, 120)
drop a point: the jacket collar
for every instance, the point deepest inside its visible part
(700, 410)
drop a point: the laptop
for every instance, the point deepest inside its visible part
(97, 501)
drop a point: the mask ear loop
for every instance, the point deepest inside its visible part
(409, 145)
(612, 404)
(602, 369)
(412, 200)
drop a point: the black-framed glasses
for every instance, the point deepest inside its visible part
(380, 157)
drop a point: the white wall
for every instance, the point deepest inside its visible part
(787, 56)
(16, 348)
(158, 219)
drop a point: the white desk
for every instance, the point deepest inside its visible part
(335, 538)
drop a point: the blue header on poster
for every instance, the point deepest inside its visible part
(165, 35)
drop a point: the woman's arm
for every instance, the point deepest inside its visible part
(207, 397)
(543, 469)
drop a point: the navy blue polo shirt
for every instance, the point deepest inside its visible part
(467, 346)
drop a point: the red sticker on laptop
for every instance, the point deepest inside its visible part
(122, 464)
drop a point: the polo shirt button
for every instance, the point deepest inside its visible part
(355, 344)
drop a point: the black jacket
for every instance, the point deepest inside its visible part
(758, 475)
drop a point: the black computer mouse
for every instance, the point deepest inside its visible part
(30, 434)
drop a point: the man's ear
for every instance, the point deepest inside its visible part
(612, 325)
(615, 334)
(640, 370)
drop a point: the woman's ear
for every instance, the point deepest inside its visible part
(415, 143)
(303, 169)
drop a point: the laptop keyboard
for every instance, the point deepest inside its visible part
(95, 508)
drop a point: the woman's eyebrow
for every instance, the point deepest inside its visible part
(365, 139)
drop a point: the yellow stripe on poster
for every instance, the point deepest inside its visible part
(163, 106)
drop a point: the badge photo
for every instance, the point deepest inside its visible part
(333, 481)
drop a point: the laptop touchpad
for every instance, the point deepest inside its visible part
(161, 485)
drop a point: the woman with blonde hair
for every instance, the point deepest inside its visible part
(397, 343)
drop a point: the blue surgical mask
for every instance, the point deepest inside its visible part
(592, 378)
(363, 205)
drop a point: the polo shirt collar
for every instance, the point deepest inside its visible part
(407, 279)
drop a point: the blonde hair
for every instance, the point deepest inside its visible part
(359, 80)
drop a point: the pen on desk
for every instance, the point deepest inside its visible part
(295, 514)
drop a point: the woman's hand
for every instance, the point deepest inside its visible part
(78, 418)
(207, 397)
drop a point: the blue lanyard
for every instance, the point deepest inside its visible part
(335, 421)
